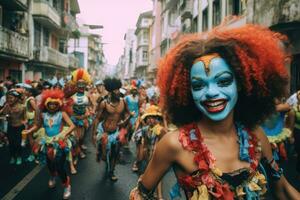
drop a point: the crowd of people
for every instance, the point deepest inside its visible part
(217, 117)
(47, 122)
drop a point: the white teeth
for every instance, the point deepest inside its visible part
(214, 104)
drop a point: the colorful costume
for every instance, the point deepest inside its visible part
(111, 143)
(277, 134)
(225, 76)
(54, 146)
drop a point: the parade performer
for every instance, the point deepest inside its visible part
(53, 128)
(69, 90)
(218, 89)
(293, 122)
(14, 111)
(112, 113)
(274, 127)
(132, 101)
(81, 102)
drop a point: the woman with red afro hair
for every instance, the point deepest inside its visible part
(52, 131)
(218, 88)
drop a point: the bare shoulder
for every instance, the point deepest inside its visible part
(170, 141)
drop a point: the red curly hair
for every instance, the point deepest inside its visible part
(51, 93)
(255, 56)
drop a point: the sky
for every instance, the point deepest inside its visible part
(117, 16)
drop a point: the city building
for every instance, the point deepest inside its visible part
(154, 45)
(88, 48)
(14, 38)
(142, 33)
(52, 24)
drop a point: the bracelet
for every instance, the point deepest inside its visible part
(144, 192)
(275, 171)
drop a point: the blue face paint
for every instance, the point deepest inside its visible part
(215, 94)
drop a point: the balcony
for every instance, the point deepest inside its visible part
(43, 12)
(20, 5)
(73, 61)
(52, 57)
(186, 9)
(69, 22)
(13, 43)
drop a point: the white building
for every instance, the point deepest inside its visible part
(89, 49)
(142, 33)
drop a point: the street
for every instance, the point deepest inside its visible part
(88, 184)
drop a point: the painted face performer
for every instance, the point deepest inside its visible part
(111, 113)
(54, 127)
(80, 116)
(217, 90)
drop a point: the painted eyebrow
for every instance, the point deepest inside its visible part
(197, 78)
(221, 73)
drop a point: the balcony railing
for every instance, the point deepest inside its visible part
(13, 43)
(52, 56)
(43, 9)
(69, 21)
(73, 61)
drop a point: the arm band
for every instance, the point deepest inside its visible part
(145, 193)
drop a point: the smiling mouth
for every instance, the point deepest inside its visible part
(215, 106)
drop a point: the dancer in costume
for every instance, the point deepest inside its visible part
(69, 90)
(14, 111)
(112, 113)
(132, 101)
(274, 127)
(217, 89)
(293, 122)
(54, 126)
(81, 112)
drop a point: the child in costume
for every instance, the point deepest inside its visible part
(217, 89)
(14, 111)
(54, 126)
(276, 132)
(81, 114)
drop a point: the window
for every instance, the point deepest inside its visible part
(46, 37)
(145, 36)
(195, 25)
(130, 55)
(37, 35)
(236, 7)
(145, 55)
(205, 19)
(216, 12)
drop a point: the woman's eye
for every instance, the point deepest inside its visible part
(198, 86)
(225, 82)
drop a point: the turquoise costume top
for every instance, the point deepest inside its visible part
(133, 106)
(52, 123)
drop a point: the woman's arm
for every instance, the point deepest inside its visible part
(164, 155)
(69, 122)
(283, 107)
(282, 189)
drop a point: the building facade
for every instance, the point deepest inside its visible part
(52, 23)
(142, 33)
(88, 48)
(14, 38)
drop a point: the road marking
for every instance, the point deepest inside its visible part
(20, 186)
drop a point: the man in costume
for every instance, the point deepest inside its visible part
(53, 128)
(112, 113)
(217, 89)
(81, 103)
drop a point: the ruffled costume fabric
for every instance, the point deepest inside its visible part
(207, 183)
(54, 146)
